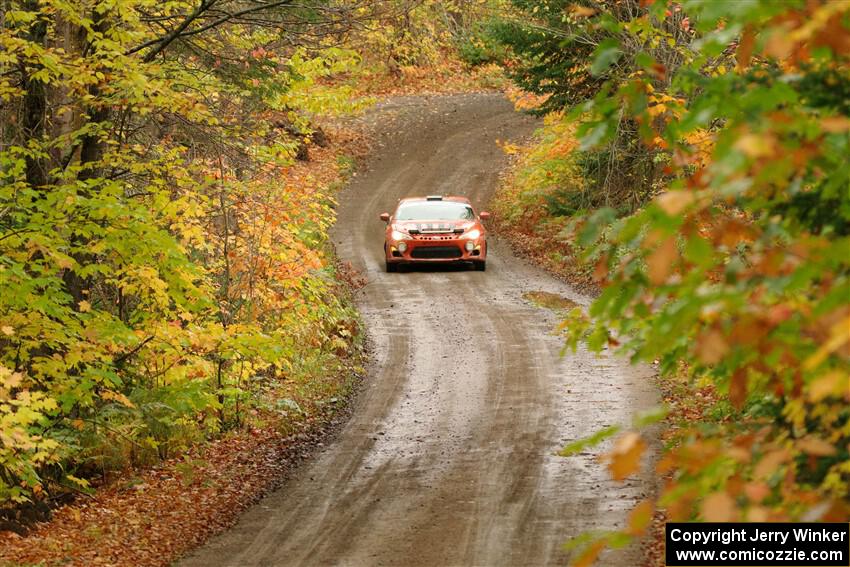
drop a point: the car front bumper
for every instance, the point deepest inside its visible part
(436, 249)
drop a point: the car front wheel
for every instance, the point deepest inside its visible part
(480, 266)
(391, 267)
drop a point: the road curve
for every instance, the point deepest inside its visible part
(448, 457)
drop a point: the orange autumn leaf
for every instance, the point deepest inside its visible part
(675, 202)
(711, 347)
(660, 262)
(640, 518)
(738, 388)
(757, 491)
(600, 270)
(624, 459)
(816, 446)
(756, 145)
(770, 463)
(589, 555)
(745, 48)
(580, 11)
(835, 124)
(117, 397)
(718, 507)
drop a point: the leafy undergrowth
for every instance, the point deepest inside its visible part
(149, 516)
(526, 204)
(712, 139)
(686, 405)
(448, 76)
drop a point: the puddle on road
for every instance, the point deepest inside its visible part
(550, 300)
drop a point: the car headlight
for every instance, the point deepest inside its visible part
(470, 246)
(472, 234)
(402, 247)
(398, 235)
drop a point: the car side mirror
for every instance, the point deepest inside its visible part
(484, 215)
(385, 217)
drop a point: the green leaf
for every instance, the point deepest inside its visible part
(607, 53)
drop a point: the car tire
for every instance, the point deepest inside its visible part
(391, 267)
(480, 266)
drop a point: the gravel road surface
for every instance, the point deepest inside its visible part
(448, 458)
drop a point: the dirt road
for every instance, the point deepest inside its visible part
(448, 457)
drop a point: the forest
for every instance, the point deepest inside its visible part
(695, 159)
(168, 180)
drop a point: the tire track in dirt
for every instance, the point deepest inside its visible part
(448, 458)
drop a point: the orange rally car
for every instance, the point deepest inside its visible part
(435, 229)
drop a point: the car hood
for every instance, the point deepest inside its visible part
(433, 226)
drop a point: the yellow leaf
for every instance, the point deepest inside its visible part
(118, 397)
(7, 330)
(9, 379)
(839, 336)
(832, 383)
(755, 145)
(508, 148)
(582, 11)
(657, 110)
(84, 306)
(625, 457)
(757, 514)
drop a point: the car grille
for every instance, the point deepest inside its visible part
(428, 237)
(436, 252)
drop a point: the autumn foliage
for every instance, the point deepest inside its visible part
(733, 271)
(164, 263)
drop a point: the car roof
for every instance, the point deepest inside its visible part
(452, 198)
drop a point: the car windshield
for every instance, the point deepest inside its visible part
(434, 210)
